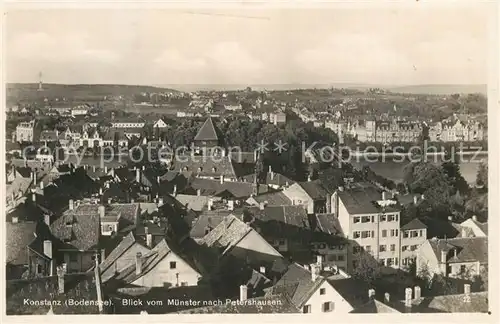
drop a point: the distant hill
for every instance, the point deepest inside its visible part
(27, 91)
(443, 89)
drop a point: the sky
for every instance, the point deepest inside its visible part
(398, 46)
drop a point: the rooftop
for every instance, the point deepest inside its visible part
(207, 132)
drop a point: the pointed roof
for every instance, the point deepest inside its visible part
(207, 131)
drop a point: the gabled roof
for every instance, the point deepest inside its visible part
(298, 284)
(469, 249)
(273, 198)
(207, 132)
(196, 203)
(227, 234)
(413, 224)
(208, 219)
(314, 189)
(363, 201)
(125, 244)
(79, 228)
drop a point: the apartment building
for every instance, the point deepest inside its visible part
(370, 220)
(455, 130)
(25, 131)
(413, 235)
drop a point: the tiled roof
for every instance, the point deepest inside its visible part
(363, 201)
(414, 224)
(19, 236)
(78, 287)
(196, 203)
(276, 198)
(273, 304)
(227, 234)
(439, 228)
(209, 219)
(448, 304)
(205, 166)
(354, 291)
(78, 228)
(123, 246)
(207, 131)
(297, 284)
(314, 189)
(328, 223)
(210, 187)
(374, 306)
(470, 249)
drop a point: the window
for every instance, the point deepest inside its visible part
(393, 247)
(462, 269)
(356, 219)
(384, 233)
(413, 234)
(306, 309)
(367, 234)
(365, 219)
(173, 265)
(281, 242)
(383, 248)
(39, 269)
(394, 232)
(327, 307)
(404, 247)
(356, 249)
(340, 257)
(390, 261)
(368, 248)
(413, 247)
(421, 233)
(356, 234)
(322, 291)
(405, 234)
(395, 261)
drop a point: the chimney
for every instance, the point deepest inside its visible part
(46, 219)
(143, 168)
(149, 240)
(341, 188)
(415, 200)
(47, 248)
(175, 191)
(384, 196)
(263, 270)
(33, 197)
(221, 178)
(422, 197)
(109, 201)
(474, 218)
(387, 298)
(393, 195)
(158, 179)
(230, 205)
(210, 203)
(160, 201)
(309, 178)
(255, 155)
(371, 293)
(261, 206)
(34, 178)
(198, 192)
(270, 169)
(138, 175)
(93, 168)
(450, 218)
(467, 293)
(418, 292)
(443, 256)
(102, 211)
(112, 172)
(319, 261)
(408, 297)
(41, 185)
(71, 204)
(15, 219)
(61, 272)
(243, 293)
(100, 191)
(138, 263)
(314, 272)
(105, 169)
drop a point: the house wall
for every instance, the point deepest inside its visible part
(299, 197)
(471, 268)
(163, 276)
(125, 260)
(332, 255)
(78, 261)
(339, 305)
(409, 243)
(255, 248)
(475, 229)
(427, 259)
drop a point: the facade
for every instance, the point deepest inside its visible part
(25, 131)
(413, 235)
(370, 221)
(455, 130)
(456, 258)
(308, 194)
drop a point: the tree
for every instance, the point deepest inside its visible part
(482, 175)
(367, 268)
